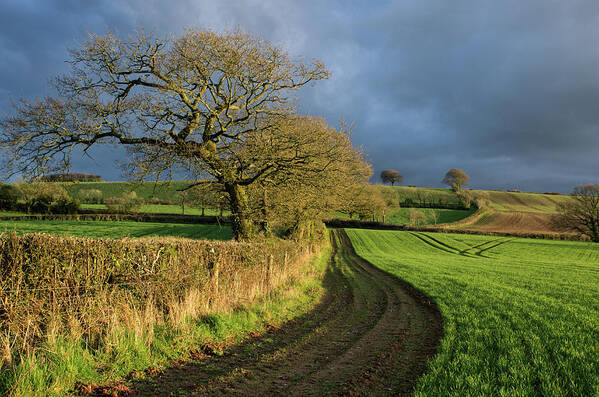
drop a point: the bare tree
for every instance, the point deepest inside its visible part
(416, 217)
(186, 103)
(391, 176)
(581, 212)
(455, 178)
(434, 215)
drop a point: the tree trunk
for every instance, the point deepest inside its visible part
(240, 220)
(595, 233)
(264, 225)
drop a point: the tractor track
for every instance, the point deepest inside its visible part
(372, 334)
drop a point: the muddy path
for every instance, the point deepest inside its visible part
(371, 334)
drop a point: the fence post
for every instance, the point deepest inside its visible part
(269, 271)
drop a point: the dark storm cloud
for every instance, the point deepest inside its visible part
(507, 91)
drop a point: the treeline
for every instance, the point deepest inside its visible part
(37, 198)
(70, 177)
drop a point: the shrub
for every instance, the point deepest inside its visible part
(65, 206)
(9, 196)
(127, 203)
(83, 288)
(408, 202)
(91, 196)
(465, 198)
(71, 177)
(416, 217)
(46, 198)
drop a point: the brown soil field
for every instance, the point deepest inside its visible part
(514, 222)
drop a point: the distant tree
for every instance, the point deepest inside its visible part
(434, 216)
(91, 196)
(416, 217)
(200, 196)
(9, 196)
(71, 177)
(127, 203)
(581, 213)
(423, 197)
(44, 197)
(391, 176)
(455, 178)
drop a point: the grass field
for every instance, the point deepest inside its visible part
(145, 190)
(401, 216)
(402, 193)
(12, 213)
(164, 209)
(114, 229)
(521, 316)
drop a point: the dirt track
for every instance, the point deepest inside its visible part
(371, 334)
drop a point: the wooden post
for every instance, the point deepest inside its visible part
(269, 271)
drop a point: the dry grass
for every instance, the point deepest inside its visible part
(88, 289)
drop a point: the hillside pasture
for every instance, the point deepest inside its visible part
(401, 216)
(399, 194)
(521, 316)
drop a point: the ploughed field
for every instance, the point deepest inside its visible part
(512, 222)
(116, 229)
(521, 316)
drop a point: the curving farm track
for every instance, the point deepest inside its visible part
(371, 334)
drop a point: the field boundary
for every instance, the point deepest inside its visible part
(356, 224)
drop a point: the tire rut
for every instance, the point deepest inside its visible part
(371, 334)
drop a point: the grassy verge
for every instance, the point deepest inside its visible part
(62, 361)
(117, 229)
(521, 316)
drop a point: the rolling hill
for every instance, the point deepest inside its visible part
(499, 211)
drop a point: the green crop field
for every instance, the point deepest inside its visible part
(164, 209)
(117, 229)
(521, 316)
(402, 217)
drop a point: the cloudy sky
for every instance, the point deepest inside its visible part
(506, 90)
